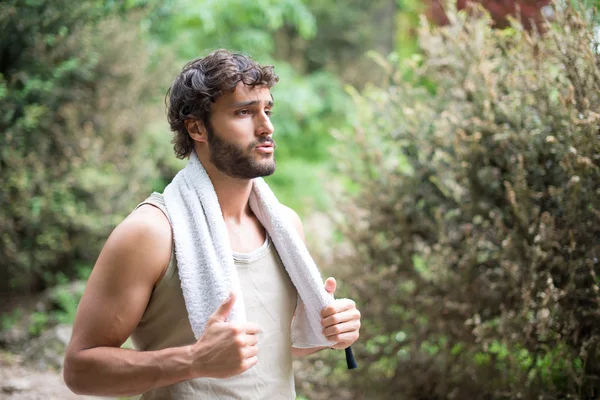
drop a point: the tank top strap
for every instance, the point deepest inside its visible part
(157, 200)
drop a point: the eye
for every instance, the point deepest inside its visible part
(243, 112)
(269, 113)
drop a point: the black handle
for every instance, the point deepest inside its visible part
(350, 361)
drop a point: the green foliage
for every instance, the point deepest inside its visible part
(307, 105)
(9, 319)
(78, 147)
(66, 306)
(346, 31)
(473, 241)
(71, 154)
(38, 323)
(233, 24)
(407, 19)
(82, 271)
(58, 306)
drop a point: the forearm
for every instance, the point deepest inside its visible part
(117, 372)
(297, 352)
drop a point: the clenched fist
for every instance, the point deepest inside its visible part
(341, 320)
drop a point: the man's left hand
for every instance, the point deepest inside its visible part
(340, 320)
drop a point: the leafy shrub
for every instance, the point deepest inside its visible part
(8, 320)
(57, 305)
(39, 322)
(73, 154)
(473, 227)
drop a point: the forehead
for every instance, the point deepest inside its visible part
(244, 93)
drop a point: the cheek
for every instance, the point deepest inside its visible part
(239, 128)
(242, 128)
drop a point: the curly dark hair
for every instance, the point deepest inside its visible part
(199, 85)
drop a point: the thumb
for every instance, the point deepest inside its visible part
(330, 285)
(224, 309)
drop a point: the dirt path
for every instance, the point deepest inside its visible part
(18, 382)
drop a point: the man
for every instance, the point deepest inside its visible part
(219, 108)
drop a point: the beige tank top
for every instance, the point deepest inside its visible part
(270, 300)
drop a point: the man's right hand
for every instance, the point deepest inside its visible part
(225, 349)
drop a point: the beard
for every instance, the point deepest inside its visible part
(237, 162)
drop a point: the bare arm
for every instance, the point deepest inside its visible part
(132, 261)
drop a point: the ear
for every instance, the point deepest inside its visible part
(196, 130)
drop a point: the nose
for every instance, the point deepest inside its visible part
(265, 126)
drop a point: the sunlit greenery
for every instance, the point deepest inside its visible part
(440, 144)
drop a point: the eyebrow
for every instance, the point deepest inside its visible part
(248, 103)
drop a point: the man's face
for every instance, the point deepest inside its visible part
(240, 133)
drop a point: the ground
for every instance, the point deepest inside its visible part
(18, 382)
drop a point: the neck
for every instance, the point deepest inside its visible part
(233, 194)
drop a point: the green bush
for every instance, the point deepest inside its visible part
(473, 230)
(73, 156)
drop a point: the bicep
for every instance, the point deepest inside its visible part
(120, 285)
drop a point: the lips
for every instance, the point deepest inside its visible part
(266, 147)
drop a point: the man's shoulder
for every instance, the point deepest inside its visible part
(140, 244)
(146, 228)
(147, 222)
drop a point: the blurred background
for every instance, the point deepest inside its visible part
(444, 156)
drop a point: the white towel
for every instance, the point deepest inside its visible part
(205, 259)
